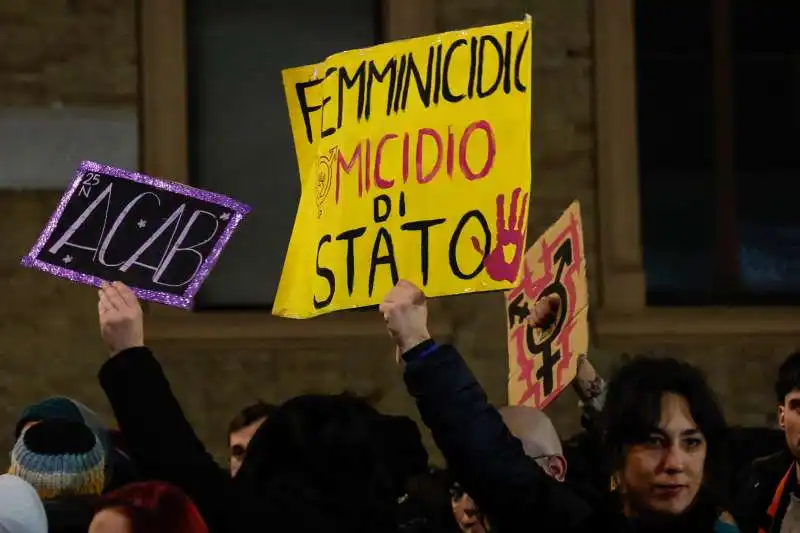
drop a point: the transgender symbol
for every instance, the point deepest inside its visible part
(324, 177)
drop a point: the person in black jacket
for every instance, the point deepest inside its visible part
(662, 430)
(318, 463)
(768, 488)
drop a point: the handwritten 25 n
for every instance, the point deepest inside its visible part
(173, 222)
(510, 237)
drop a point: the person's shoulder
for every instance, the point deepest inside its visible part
(773, 466)
(70, 513)
(779, 458)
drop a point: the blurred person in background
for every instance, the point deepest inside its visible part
(148, 507)
(242, 428)
(119, 468)
(768, 496)
(64, 461)
(21, 509)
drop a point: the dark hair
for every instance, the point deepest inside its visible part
(426, 507)
(70, 514)
(633, 410)
(403, 444)
(155, 507)
(788, 377)
(318, 463)
(251, 413)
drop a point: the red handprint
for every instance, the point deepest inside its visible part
(512, 234)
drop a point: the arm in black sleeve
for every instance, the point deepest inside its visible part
(157, 432)
(488, 461)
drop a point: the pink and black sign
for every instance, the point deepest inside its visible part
(160, 238)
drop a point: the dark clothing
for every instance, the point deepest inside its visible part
(160, 439)
(120, 468)
(403, 441)
(317, 464)
(69, 514)
(758, 485)
(587, 471)
(491, 465)
(747, 444)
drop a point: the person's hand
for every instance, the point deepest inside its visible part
(121, 323)
(545, 312)
(406, 315)
(588, 384)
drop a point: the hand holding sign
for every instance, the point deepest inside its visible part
(406, 315)
(546, 313)
(121, 322)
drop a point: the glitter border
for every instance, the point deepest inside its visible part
(183, 301)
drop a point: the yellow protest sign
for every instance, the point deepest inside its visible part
(415, 164)
(542, 363)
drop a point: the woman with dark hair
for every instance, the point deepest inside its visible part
(664, 434)
(149, 507)
(661, 426)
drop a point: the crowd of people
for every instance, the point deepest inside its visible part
(655, 453)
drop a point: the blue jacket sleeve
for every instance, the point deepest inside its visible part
(487, 460)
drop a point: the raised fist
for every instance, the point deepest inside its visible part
(406, 315)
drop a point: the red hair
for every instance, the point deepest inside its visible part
(155, 507)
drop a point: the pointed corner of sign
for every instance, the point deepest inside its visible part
(527, 18)
(282, 312)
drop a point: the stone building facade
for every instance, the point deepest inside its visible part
(48, 328)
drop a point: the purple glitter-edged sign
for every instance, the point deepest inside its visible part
(183, 301)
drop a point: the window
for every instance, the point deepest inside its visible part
(718, 92)
(239, 135)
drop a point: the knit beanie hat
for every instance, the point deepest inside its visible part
(119, 466)
(64, 408)
(21, 510)
(59, 457)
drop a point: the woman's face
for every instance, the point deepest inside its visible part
(110, 521)
(664, 474)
